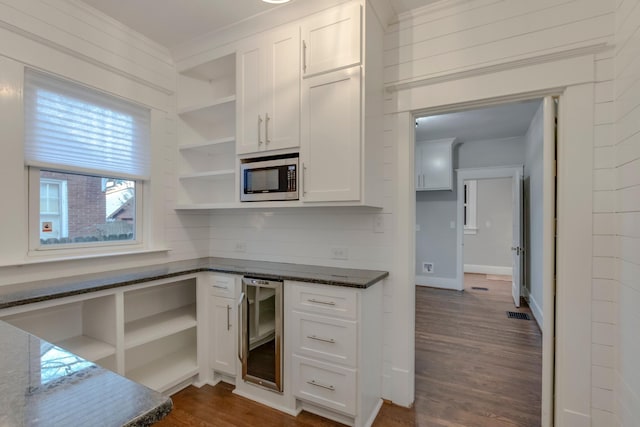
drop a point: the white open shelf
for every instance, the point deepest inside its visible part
(208, 107)
(206, 145)
(167, 371)
(154, 327)
(210, 174)
(87, 347)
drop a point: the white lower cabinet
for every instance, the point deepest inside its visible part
(336, 359)
(223, 317)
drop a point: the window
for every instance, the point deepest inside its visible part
(470, 206)
(88, 157)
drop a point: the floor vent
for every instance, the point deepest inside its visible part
(518, 315)
(479, 288)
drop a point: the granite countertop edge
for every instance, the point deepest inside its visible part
(22, 294)
(152, 416)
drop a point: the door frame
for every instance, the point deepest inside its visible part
(551, 384)
(468, 174)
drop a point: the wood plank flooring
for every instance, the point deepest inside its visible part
(474, 368)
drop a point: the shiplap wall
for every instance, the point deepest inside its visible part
(70, 39)
(627, 202)
(450, 41)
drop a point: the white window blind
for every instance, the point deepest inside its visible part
(74, 128)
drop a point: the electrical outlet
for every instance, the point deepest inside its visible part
(339, 253)
(427, 267)
(378, 223)
(241, 246)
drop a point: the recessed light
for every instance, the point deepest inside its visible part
(276, 1)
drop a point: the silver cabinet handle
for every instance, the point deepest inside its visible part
(329, 340)
(304, 56)
(317, 384)
(315, 301)
(259, 129)
(228, 312)
(266, 127)
(220, 287)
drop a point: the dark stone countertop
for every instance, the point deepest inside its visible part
(26, 293)
(44, 385)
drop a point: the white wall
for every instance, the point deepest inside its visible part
(459, 53)
(625, 247)
(491, 246)
(533, 180)
(72, 40)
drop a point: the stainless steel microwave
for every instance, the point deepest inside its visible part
(269, 178)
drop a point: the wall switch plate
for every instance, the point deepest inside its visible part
(427, 267)
(452, 225)
(339, 253)
(378, 223)
(241, 246)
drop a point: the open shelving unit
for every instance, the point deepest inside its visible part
(86, 328)
(206, 131)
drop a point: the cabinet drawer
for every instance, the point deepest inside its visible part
(223, 286)
(331, 301)
(333, 340)
(324, 384)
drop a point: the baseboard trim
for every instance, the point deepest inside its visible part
(488, 269)
(536, 311)
(437, 282)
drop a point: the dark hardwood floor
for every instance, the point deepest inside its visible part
(474, 368)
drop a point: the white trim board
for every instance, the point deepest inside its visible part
(437, 282)
(488, 269)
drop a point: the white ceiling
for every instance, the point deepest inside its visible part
(496, 122)
(174, 22)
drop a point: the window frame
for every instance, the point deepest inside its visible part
(470, 207)
(107, 247)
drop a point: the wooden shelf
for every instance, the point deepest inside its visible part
(208, 144)
(207, 107)
(165, 372)
(154, 327)
(211, 174)
(87, 347)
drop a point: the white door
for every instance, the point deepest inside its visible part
(249, 95)
(516, 245)
(330, 143)
(282, 91)
(331, 40)
(223, 345)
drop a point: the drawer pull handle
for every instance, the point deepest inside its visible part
(220, 287)
(329, 340)
(317, 384)
(316, 301)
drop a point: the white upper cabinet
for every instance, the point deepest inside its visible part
(434, 165)
(268, 92)
(331, 123)
(331, 40)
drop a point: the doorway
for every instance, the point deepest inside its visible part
(544, 157)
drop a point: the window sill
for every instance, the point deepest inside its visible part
(470, 230)
(39, 258)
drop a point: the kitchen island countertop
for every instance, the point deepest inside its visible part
(44, 385)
